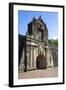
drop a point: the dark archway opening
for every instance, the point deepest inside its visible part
(41, 62)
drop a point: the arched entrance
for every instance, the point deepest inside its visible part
(41, 62)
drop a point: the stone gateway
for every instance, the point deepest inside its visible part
(35, 52)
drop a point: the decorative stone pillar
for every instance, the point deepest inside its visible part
(21, 67)
(31, 58)
(49, 57)
(35, 56)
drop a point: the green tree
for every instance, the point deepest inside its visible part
(53, 42)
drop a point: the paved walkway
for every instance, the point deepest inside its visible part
(50, 72)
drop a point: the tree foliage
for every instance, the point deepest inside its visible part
(53, 42)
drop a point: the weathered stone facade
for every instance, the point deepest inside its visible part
(36, 41)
